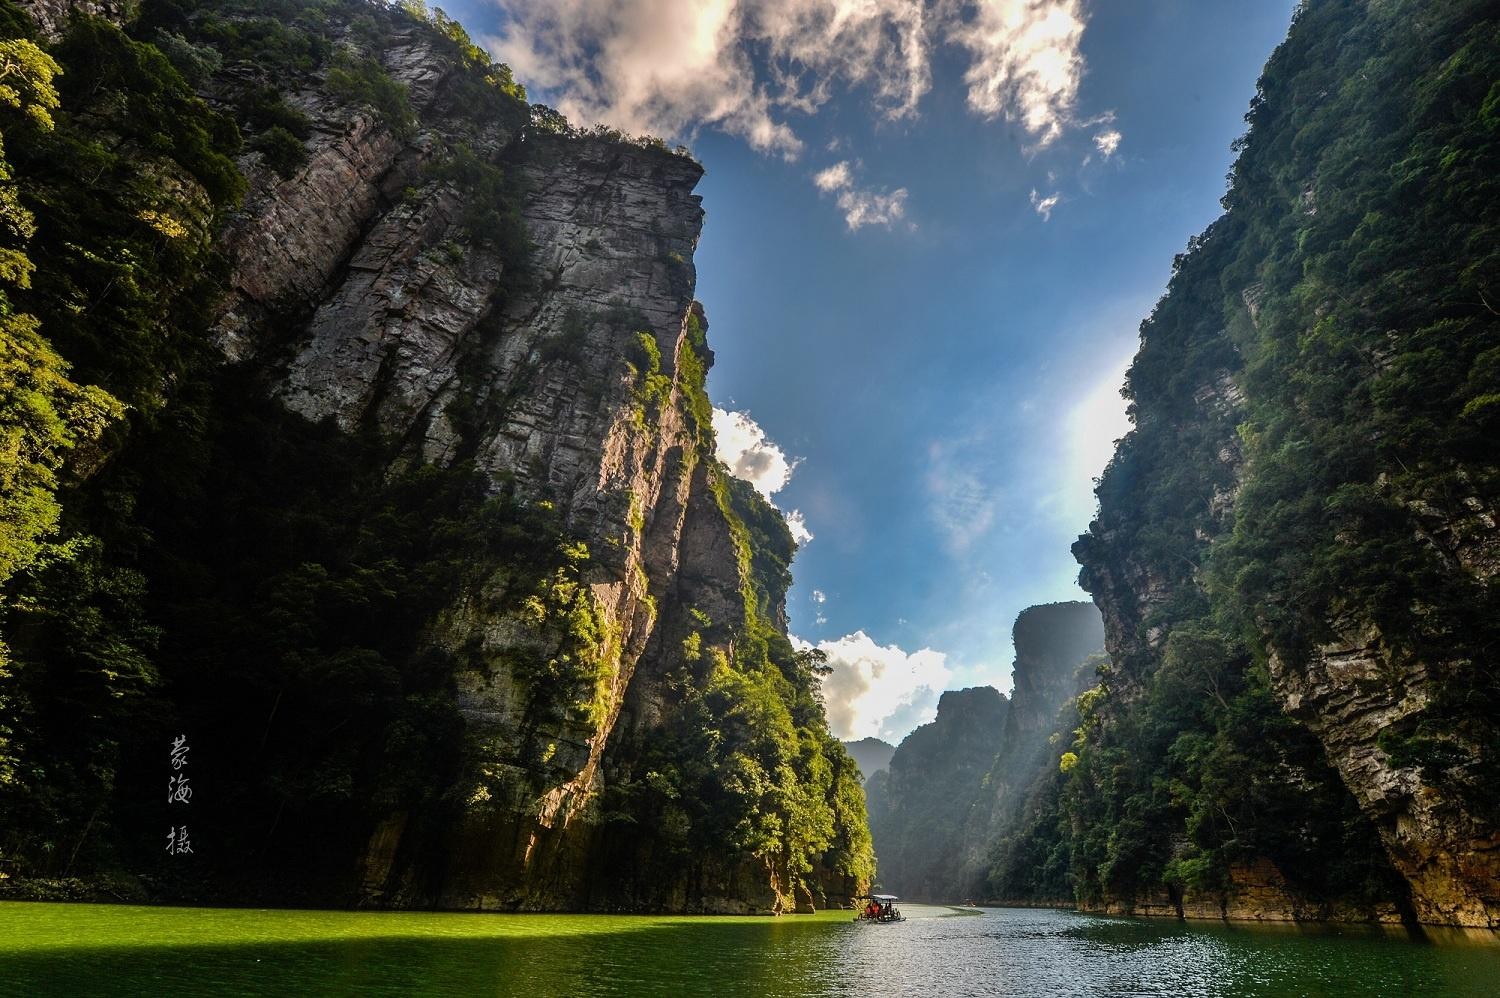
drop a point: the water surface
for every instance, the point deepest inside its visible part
(50, 949)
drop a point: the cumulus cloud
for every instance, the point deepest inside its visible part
(880, 690)
(1044, 205)
(1107, 142)
(861, 206)
(668, 67)
(818, 596)
(749, 454)
(1025, 64)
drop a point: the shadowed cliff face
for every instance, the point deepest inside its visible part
(1305, 514)
(454, 291)
(918, 807)
(958, 784)
(872, 755)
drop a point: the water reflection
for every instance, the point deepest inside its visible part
(1033, 952)
(934, 952)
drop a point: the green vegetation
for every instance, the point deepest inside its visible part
(359, 79)
(1314, 408)
(746, 770)
(179, 553)
(284, 152)
(487, 211)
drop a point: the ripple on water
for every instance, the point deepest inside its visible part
(103, 950)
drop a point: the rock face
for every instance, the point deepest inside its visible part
(471, 291)
(1051, 642)
(52, 15)
(1348, 694)
(1055, 644)
(919, 808)
(957, 784)
(1363, 588)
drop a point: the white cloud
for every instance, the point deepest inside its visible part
(1025, 62)
(1107, 142)
(1044, 205)
(818, 596)
(750, 455)
(668, 67)
(744, 448)
(871, 207)
(861, 207)
(880, 690)
(836, 177)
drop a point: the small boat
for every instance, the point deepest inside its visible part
(879, 908)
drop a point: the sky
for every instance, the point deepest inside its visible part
(933, 229)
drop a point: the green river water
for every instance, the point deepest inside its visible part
(54, 949)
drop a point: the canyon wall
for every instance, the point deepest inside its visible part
(441, 406)
(1295, 547)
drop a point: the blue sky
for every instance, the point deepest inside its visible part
(932, 231)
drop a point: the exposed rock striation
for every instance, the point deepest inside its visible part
(442, 283)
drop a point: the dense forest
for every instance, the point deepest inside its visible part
(412, 667)
(1295, 546)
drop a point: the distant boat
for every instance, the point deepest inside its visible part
(879, 908)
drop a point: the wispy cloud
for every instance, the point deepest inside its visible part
(861, 206)
(880, 690)
(961, 504)
(1107, 142)
(668, 67)
(1025, 62)
(1044, 205)
(836, 177)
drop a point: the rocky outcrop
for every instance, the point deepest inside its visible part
(920, 808)
(1054, 644)
(434, 282)
(956, 785)
(1051, 641)
(872, 755)
(51, 16)
(1349, 694)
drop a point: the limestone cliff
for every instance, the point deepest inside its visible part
(956, 786)
(434, 282)
(1304, 517)
(872, 754)
(920, 807)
